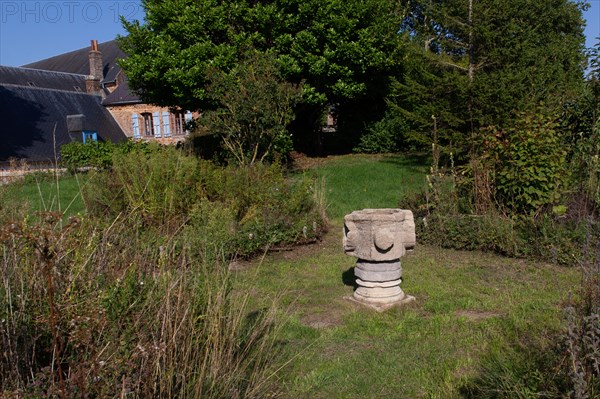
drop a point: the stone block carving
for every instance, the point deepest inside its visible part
(379, 238)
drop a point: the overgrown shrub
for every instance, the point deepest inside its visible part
(77, 155)
(528, 162)
(100, 154)
(246, 208)
(585, 165)
(549, 239)
(258, 206)
(254, 107)
(92, 310)
(580, 343)
(383, 136)
(154, 181)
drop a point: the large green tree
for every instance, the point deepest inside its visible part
(342, 50)
(477, 63)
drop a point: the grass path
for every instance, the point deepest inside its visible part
(475, 314)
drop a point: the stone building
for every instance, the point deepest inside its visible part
(137, 119)
(77, 96)
(36, 108)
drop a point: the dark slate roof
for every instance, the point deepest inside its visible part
(29, 116)
(121, 95)
(41, 79)
(77, 61)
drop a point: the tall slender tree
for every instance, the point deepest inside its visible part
(480, 62)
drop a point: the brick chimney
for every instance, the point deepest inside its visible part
(92, 82)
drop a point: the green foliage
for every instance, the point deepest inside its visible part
(339, 51)
(383, 136)
(125, 297)
(255, 106)
(157, 182)
(211, 229)
(548, 239)
(98, 154)
(593, 77)
(529, 162)
(476, 64)
(585, 166)
(266, 208)
(445, 216)
(430, 89)
(95, 154)
(224, 211)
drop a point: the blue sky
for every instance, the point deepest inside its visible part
(32, 30)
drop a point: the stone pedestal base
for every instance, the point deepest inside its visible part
(379, 284)
(380, 307)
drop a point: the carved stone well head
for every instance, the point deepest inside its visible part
(379, 238)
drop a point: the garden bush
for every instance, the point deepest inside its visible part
(78, 155)
(91, 310)
(254, 106)
(247, 208)
(98, 154)
(383, 136)
(547, 238)
(528, 162)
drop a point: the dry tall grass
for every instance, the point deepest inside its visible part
(91, 310)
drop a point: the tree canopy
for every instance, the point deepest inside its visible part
(340, 50)
(479, 63)
(468, 63)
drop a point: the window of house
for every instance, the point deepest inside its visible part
(156, 125)
(89, 136)
(178, 122)
(148, 127)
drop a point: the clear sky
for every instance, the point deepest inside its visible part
(31, 30)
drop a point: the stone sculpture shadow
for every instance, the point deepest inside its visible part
(349, 279)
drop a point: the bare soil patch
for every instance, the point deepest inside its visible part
(476, 315)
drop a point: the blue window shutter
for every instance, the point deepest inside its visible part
(135, 123)
(156, 117)
(166, 124)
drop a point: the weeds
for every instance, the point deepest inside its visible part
(91, 310)
(240, 210)
(581, 339)
(135, 299)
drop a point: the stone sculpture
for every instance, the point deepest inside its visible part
(379, 238)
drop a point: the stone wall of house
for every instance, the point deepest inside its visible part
(123, 116)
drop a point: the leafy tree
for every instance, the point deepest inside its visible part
(594, 71)
(342, 51)
(480, 63)
(254, 108)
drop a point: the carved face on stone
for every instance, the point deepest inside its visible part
(379, 234)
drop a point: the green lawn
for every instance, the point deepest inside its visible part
(479, 320)
(477, 317)
(369, 181)
(43, 193)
